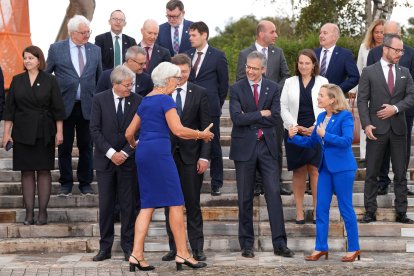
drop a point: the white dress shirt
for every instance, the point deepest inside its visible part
(204, 50)
(112, 151)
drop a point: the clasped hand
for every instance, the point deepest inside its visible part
(293, 130)
(118, 158)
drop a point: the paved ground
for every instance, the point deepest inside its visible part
(223, 263)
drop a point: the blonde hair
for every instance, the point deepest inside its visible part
(335, 92)
(369, 42)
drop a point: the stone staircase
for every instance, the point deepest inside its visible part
(73, 221)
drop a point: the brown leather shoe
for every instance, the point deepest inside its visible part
(352, 258)
(316, 257)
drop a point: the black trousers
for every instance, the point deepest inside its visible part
(376, 149)
(84, 143)
(216, 164)
(120, 181)
(191, 183)
(245, 176)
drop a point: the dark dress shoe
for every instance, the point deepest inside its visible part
(247, 253)
(382, 191)
(199, 255)
(402, 217)
(410, 193)
(284, 251)
(258, 190)
(28, 222)
(369, 217)
(170, 256)
(215, 191)
(283, 191)
(102, 255)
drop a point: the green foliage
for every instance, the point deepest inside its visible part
(410, 29)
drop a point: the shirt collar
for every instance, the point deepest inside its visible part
(385, 63)
(114, 34)
(259, 47)
(73, 45)
(143, 45)
(204, 50)
(251, 83)
(330, 50)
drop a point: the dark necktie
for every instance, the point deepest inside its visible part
(197, 63)
(323, 63)
(256, 100)
(148, 56)
(117, 52)
(390, 81)
(80, 60)
(119, 113)
(178, 102)
(176, 42)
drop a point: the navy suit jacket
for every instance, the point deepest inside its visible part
(337, 143)
(104, 41)
(105, 130)
(247, 119)
(407, 60)
(342, 69)
(143, 83)
(164, 37)
(2, 95)
(60, 62)
(213, 75)
(159, 54)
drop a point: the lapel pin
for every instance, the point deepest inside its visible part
(38, 84)
(273, 51)
(190, 91)
(129, 103)
(267, 88)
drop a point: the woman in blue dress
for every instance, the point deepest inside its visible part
(159, 184)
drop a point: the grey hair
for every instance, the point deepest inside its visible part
(163, 72)
(258, 55)
(388, 39)
(133, 51)
(121, 73)
(77, 20)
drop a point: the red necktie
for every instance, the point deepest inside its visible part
(256, 100)
(390, 79)
(197, 62)
(148, 56)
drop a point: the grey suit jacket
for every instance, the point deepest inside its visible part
(277, 69)
(373, 92)
(60, 63)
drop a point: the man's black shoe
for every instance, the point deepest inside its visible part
(284, 251)
(382, 191)
(102, 255)
(215, 191)
(283, 191)
(170, 256)
(258, 190)
(247, 253)
(127, 254)
(410, 193)
(369, 217)
(199, 255)
(402, 217)
(87, 190)
(64, 192)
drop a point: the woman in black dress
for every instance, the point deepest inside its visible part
(33, 123)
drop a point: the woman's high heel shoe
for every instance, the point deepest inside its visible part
(350, 259)
(302, 221)
(132, 266)
(313, 217)
(317, 256)
(187, 263)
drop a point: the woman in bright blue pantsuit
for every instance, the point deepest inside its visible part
(334, 132)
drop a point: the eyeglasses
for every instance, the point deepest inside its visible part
(252, 68)
(87, 33)
(173, 16)
(128, 85)
(139, 63)
(120, 20)
(396, 51)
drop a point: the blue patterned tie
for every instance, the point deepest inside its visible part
(323, 63)
(178, 102)
(176, 42)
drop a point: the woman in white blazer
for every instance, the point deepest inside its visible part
(299, 107)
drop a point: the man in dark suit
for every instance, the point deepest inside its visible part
(155, 53)
(190, 156)
(114, 44)
(385, 92)
(2, 94)
(337, 64)
(209, 70)
(407, 60)
(77, 67)
(135, 59)
(277, 71)
(174, 33)
(114, 160)
(255, 111)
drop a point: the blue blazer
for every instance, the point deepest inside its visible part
(213, 75)
(342, 69)
(143, 83)
(164, 37)
(247, 119)
(60, 62)
(159, 54)
(337, 143)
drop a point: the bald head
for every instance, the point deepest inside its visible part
(266, 33)
(392, 27)
(149, 32)
(328, 35)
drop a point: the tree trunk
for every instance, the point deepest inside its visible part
(368, 13)
(81, 7)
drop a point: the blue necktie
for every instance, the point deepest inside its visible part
(178, 102)
(323, 63)
(119, 113)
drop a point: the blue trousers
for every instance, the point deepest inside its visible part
(341, 183)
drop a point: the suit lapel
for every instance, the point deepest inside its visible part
(189, 97)
(204, 62)
(88, 54)
(332, 61)
(248, 95)
(191, 54)
(397, 80)
(112, 109)
(271, 59)
(67, 56)
(379, 72)
(127, 108)
(108, 39)
(264, 91)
